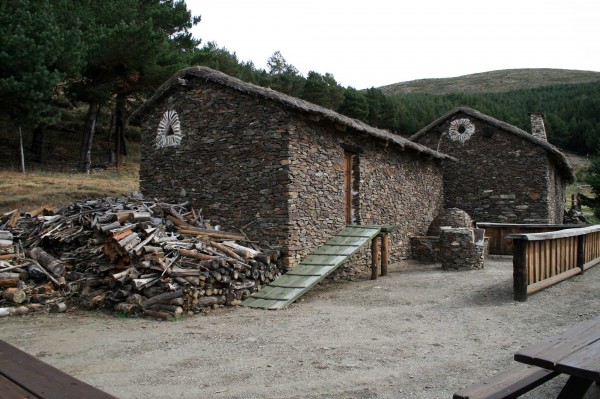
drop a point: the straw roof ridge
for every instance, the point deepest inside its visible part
(291, 102)
(559, 159)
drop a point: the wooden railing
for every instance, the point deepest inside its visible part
(544, 259)
(498, 231)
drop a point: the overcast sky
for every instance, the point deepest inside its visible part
(379, 42)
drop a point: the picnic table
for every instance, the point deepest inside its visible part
(575, 352)
(24, 376)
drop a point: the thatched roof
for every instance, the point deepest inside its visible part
(293, 103)
(558, 158)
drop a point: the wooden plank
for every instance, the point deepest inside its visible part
(540, 285)
(313, 269)
(324, 260)
(547, 261)
(556, 234)
(509, 384)
(42, 379)
(10, 390)
(335, 250)
(277, 293)
(263, 303)
(366, 233)
(549, 352)
(584, 363)
(346, 240)
(295, 281)
(305, 270)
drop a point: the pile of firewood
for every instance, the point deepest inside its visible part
(129, 254)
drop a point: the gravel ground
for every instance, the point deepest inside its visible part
(418, 333)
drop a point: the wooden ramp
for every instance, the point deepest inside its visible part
(308, 273)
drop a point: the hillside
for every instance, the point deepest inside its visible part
(493, 81)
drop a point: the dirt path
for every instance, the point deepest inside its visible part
(418, 333)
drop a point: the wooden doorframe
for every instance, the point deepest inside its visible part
(348, 183)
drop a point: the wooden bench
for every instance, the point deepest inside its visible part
(509, 384)
(24, 376)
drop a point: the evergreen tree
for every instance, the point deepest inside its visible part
(284, 77)
(36, 53)
(355, 105)
(133, 46)
(322, 90)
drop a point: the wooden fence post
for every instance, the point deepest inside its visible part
(385, 253)
(580, 253)
(520, 270)
(374, 257)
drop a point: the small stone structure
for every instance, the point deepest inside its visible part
(285, 171)
(461, 249)
(450, 240)
(453, 217)
(504, 174)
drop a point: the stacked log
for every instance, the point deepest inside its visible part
(128, 254)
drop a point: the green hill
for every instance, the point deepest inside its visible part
(494, 81)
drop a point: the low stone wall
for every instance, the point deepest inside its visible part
(425, 248)
(458, 251)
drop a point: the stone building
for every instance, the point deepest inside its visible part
(503, 174)
(283, 170)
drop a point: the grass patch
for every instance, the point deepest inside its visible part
(34, 189)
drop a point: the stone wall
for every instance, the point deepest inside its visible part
(500, 177)
(232, 162)
(390, 187)
(277, 174)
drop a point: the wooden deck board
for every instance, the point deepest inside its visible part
(314, 268)
(41, 379)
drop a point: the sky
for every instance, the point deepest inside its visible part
(378, 42)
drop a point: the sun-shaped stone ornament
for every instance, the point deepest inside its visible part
(169, 130)
(461, 130)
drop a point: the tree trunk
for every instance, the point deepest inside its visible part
(85, 153)
(120, 143)
(37, 144)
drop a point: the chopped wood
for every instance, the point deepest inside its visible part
(8, 280)
(211, 233)
(164, 297)
(58, 307)
(242, 251)
(130, 254)
(139, 217)
(6, 235)
(53, 265)
(226, 250)
(129, 308)
(14, 294)
(158, 314)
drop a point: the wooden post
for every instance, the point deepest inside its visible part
(520, 270)
(374, 257)
(385, 253)
(21, 150)
(580, 253)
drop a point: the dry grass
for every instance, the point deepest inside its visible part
(34, 189)
(494, 81)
